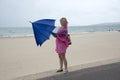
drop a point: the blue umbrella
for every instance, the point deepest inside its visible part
(42, 30)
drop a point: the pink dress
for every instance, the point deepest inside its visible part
(62, 40)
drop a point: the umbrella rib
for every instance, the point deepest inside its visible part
(44, 34)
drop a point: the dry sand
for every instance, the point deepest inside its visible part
(20, 56)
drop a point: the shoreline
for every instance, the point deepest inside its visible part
(20, 56)
(80, 33)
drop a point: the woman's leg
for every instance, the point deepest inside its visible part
(65, 61)
(61, 62)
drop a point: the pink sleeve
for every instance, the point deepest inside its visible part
(61, 39)
(62, 35)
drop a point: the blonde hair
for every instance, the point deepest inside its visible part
(63, 21)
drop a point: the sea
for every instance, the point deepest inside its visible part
(28, 31)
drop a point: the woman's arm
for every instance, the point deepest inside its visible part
(62, 35)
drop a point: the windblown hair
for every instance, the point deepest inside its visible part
(63, 21)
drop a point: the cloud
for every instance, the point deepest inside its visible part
(78, 12)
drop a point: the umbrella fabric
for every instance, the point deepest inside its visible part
(42, 30)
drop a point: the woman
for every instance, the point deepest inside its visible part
(62, 44)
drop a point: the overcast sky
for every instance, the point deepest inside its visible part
(78, 12)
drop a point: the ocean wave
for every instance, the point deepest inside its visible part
(16, 35)
(27, 31)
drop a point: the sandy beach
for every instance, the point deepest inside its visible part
(20, 56)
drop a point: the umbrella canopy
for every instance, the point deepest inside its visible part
(42, 30)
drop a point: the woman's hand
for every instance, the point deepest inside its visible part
(54, 35)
